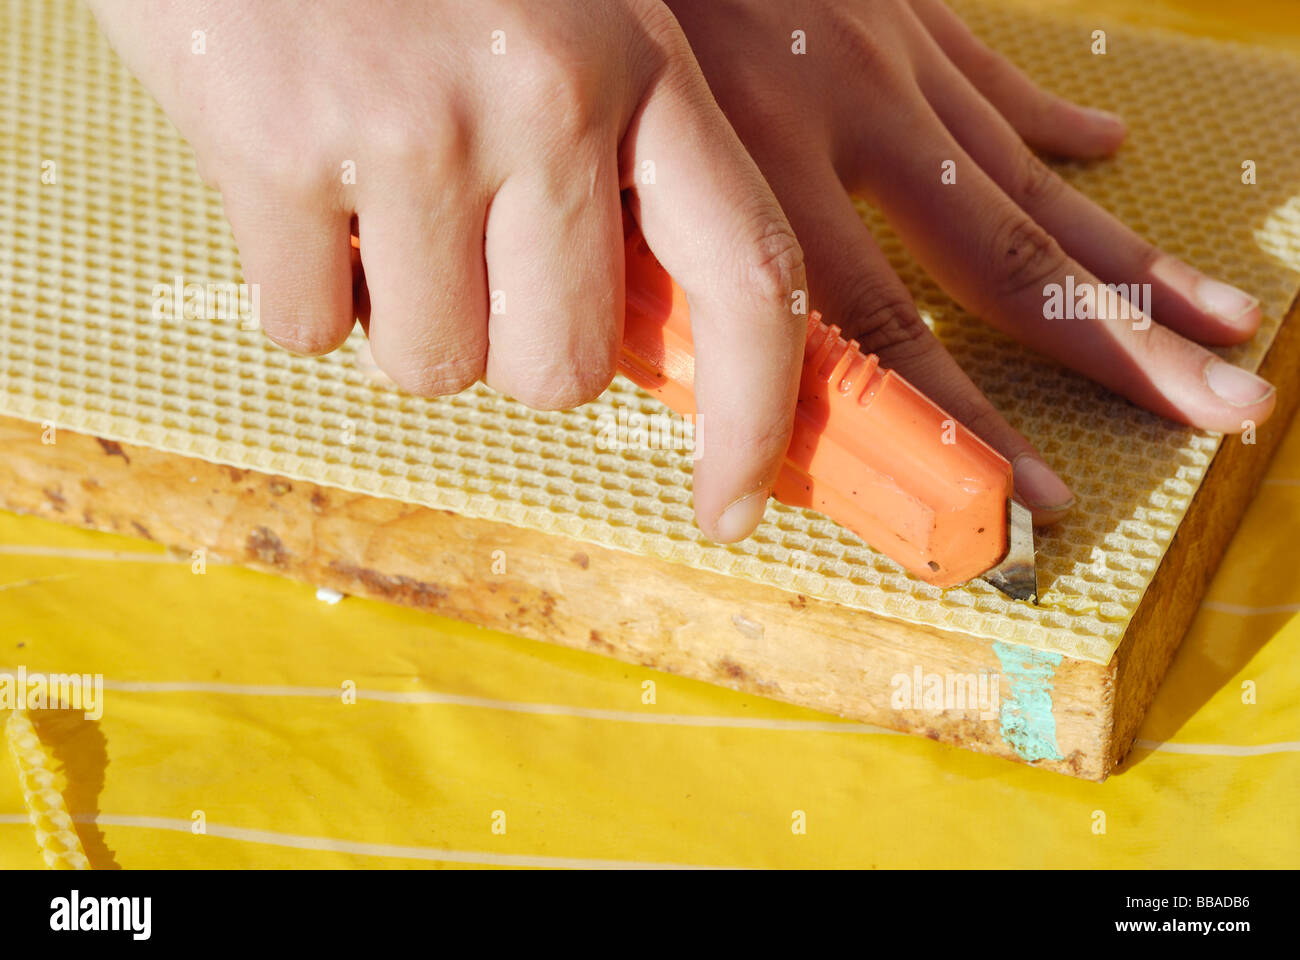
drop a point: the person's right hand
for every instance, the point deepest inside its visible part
(489, 144)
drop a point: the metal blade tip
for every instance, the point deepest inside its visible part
(1017, 575)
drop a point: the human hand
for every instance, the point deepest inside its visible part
(481, 149)
(890, 90)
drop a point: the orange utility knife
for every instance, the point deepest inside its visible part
(869, 450)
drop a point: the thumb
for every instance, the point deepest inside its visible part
(714, 224)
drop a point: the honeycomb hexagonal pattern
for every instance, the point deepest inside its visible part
(100, 204)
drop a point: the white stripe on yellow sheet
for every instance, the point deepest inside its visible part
(1219, 749)
(487, 703)
(433, 697)
(1242, 610)
(398, 851)
(18, 584)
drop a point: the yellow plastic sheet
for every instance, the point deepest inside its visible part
(224, 698)
(226, 740)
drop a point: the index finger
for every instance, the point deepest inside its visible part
(713, 222)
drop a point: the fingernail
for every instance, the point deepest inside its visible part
(741, 517)
(1038, 486)
(1224, 301)
(1105, 117)
(1236, 386)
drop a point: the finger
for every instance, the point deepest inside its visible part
(1002, 266)
(715, 226)
(853, 283)
(1047, 122)
(1183, 298)
(555, 267)
(297, 253)
(423, 262)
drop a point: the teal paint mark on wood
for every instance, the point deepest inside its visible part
(1028, 724)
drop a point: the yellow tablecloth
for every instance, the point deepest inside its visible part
(224, 708)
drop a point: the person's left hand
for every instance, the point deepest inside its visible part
(887, 92)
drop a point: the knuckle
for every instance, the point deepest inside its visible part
(268, 160)
(868, 51)
(1022, 256)
(406, 144)
(885, 324)
(1036, 184)
(572, 108)
(776, 263)
(565, 95)
(293, 173)
(875, 56)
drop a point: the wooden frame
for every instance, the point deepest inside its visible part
(660, 615)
